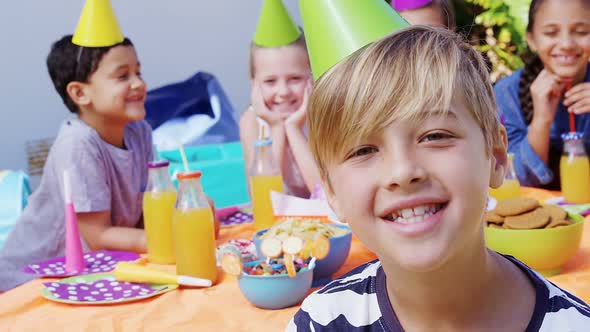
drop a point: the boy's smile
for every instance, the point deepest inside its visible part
(116, 90)
(414, 191)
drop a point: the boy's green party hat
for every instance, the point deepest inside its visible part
(275, 26)
(334, 29)
(98, 25)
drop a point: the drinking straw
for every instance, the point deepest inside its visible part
(155, 152)
(568, 86)
(183, 156)
(187, 169)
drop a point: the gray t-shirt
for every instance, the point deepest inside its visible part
(103, 178)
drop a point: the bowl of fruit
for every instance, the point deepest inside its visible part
(332, 253)
(275, 283)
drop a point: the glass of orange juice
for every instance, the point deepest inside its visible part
(158, 204)
(510, 187)
(194, 230)
(574, 169)
(265, 177)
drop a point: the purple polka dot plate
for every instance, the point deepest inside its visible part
(96, 262)
(100, 288)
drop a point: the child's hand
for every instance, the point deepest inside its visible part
(261, 110)
(297, 119)
(546, 91)
(577, 99)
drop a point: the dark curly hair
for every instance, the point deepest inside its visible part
(533, 66)
(68, 62)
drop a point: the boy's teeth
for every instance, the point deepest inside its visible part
(407, 213)
(419, 210)
(417, 214)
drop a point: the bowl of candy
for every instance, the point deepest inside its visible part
(544, 237)
(312, 231)
(268, 285)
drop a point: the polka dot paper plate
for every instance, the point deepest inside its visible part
(100, 288)
(96, 262)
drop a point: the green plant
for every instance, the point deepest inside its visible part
(502, 38)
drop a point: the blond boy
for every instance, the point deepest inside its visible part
(407, 149)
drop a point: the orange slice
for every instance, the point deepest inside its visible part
(305, 252)
(231, 260)
(321, 247)
(290, 266)
(271, 247)
(292, 245)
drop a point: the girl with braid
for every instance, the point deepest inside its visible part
(534, 102)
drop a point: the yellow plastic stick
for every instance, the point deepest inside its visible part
(130, 272)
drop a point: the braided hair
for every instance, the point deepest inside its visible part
(532, 68)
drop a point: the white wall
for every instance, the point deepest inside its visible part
(174, 39)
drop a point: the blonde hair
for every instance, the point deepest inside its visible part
(408, 75)
(298, 42)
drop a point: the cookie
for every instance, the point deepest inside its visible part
(515, 206)
(555, 212)
(537, 218)
(558, 223)
(493, 218)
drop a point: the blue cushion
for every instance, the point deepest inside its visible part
(14, 194)
(224, 176)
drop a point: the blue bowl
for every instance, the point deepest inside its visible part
(276, 291)
(339, 249)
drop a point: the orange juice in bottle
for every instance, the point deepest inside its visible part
(158, 206)
(194, 230)
(510, 187)
(265, 177)
(574, 169)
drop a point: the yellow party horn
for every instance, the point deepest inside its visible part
(130, 272)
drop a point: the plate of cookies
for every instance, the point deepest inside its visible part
(544, 237)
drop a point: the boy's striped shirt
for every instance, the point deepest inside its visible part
(358, 301)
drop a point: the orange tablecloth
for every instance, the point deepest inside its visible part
(219, 308)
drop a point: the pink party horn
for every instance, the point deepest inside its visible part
(74, 255)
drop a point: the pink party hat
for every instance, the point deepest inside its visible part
(401, 5)
(74, 255)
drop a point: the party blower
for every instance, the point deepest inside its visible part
(141, 274)
(74, 255)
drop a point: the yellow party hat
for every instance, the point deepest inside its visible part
(98, 25)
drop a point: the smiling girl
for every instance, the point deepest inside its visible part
(534, 100)
(280, 79)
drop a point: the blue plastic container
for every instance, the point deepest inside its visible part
(339, 250)
(276, 291)
(224, 174)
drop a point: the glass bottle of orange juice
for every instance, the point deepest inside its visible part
(194, 230)
(158, 204)
(265, 176)
(574, 169)
(510, 187)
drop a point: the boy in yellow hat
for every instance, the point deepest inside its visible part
(105, 148)
(280, 79)
(407, 141)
